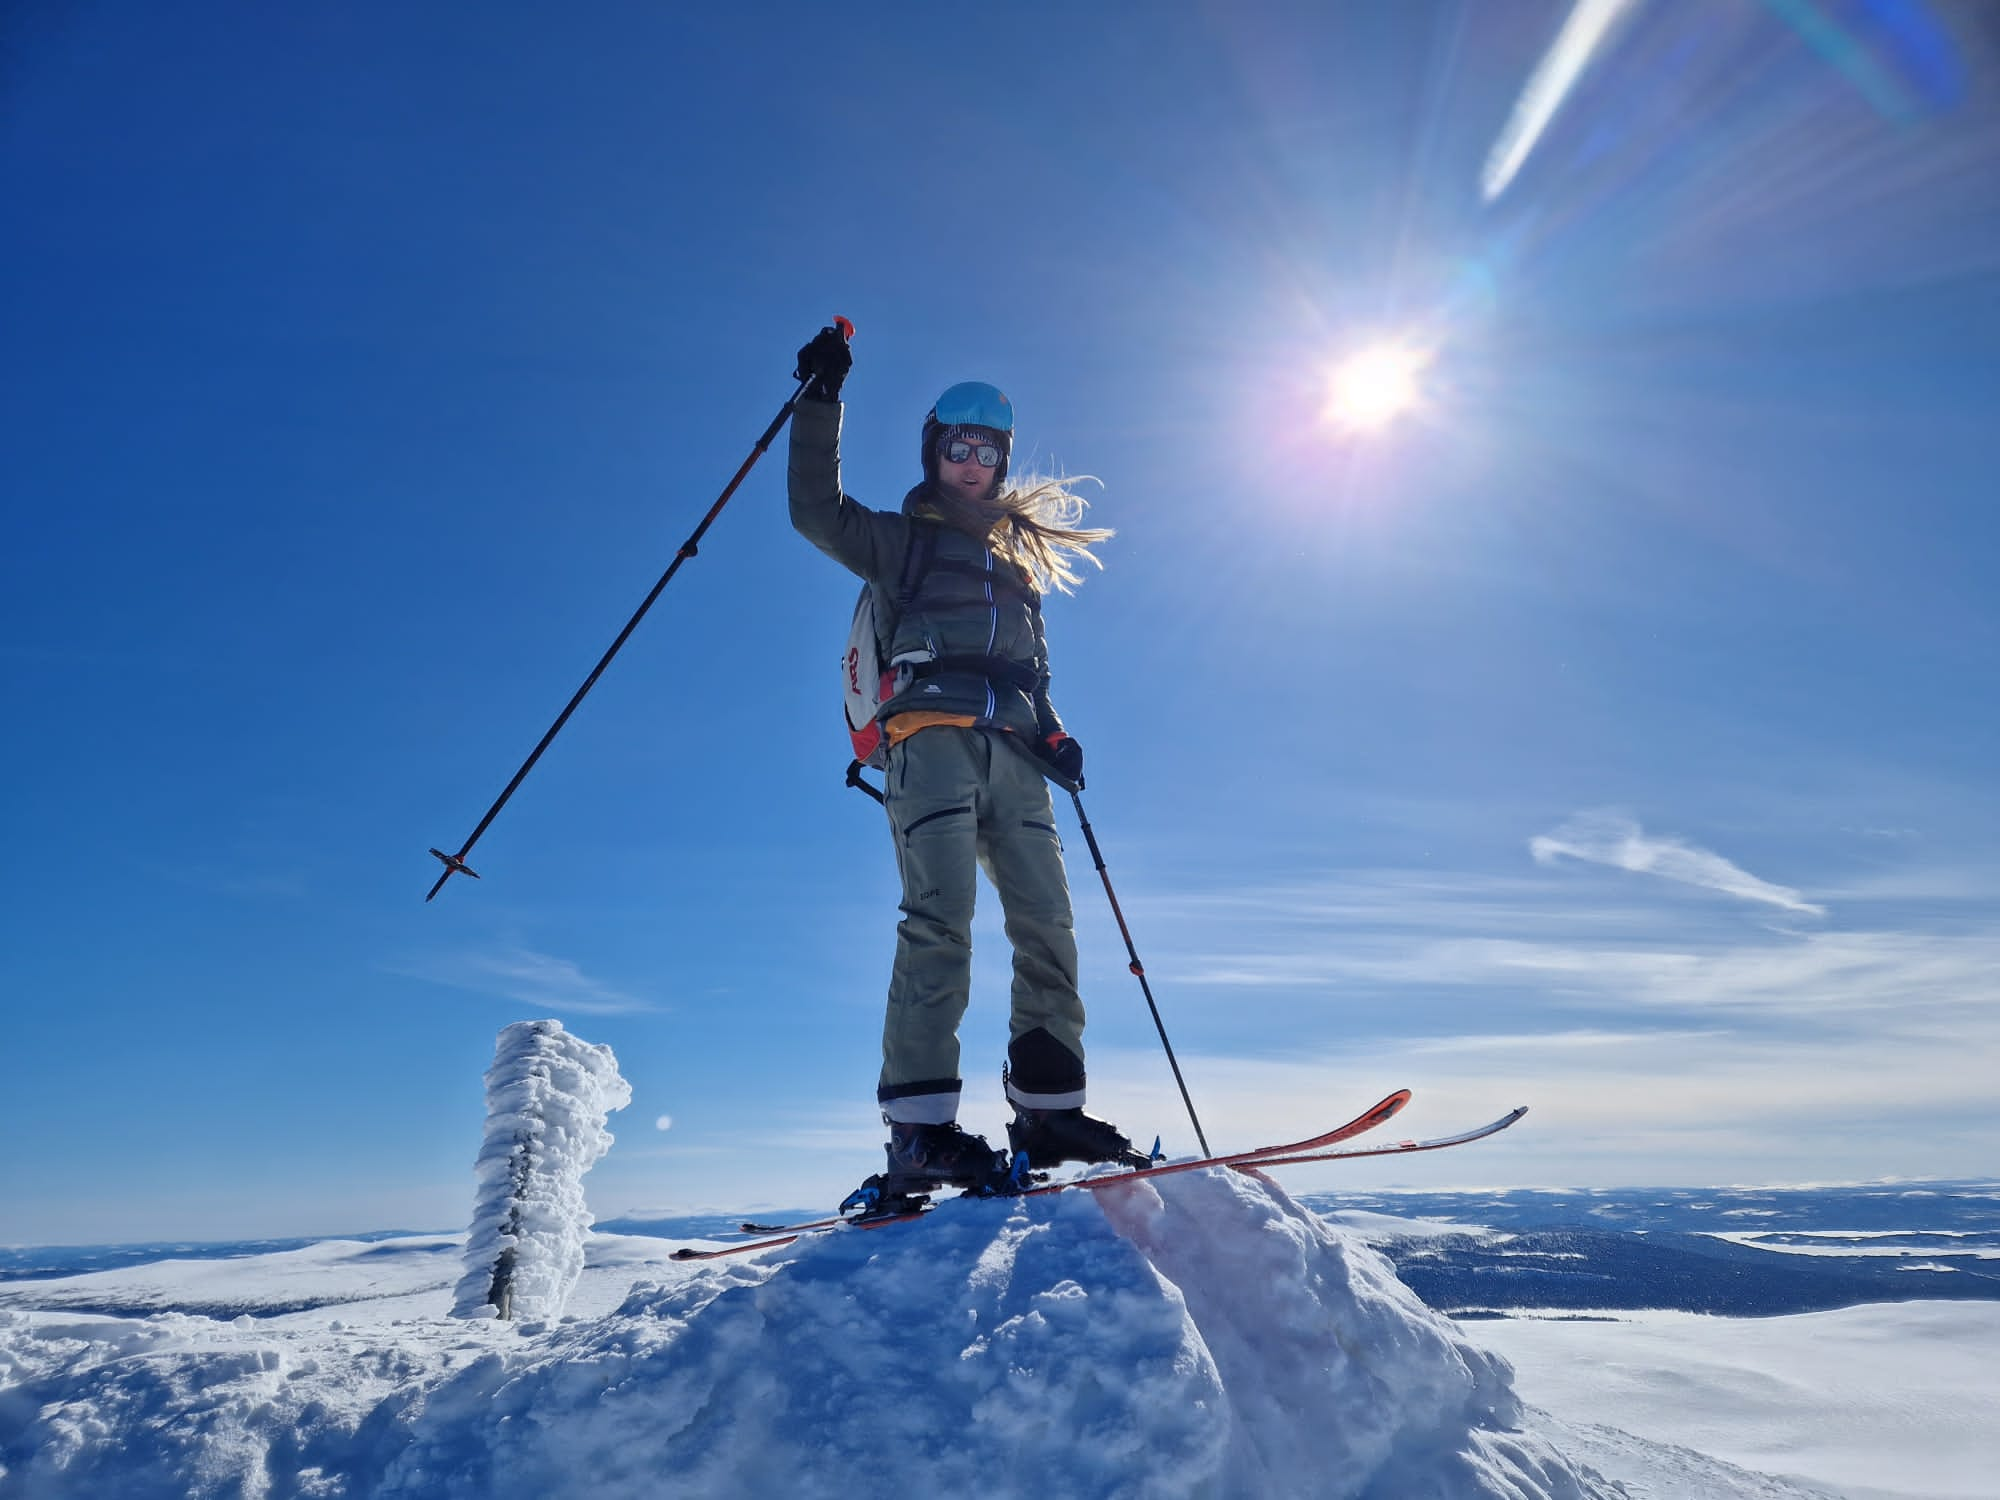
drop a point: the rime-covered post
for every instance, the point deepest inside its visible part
(548, 1095)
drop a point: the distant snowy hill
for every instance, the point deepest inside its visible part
(1742, 1252)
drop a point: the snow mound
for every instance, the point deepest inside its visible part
(1198, 1335)
(547, 1096)
(1195, 1335)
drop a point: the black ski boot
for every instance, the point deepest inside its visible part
(1051, 1137)
(924, 1157)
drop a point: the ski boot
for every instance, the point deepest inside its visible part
(923, 1158)
(1050, 1137)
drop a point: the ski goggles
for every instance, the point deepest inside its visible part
(974, 403)
(956, 450)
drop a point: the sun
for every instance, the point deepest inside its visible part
(1375, 385)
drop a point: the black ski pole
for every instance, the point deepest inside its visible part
(454, 864)
(1138, 968)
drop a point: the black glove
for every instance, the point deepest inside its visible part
(825, 362)
(1065, 755)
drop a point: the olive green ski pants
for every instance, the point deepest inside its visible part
(960, 800)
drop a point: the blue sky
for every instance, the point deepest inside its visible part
(1613, 734)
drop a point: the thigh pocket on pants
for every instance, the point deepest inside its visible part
(936, 820)
(1035, 826)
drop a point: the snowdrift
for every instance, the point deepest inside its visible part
(1198, 1335)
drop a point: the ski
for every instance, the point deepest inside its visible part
(784, 1234)
(750, 1226)
(1368, 1119)
(1400, 1148)
(1243, 1161)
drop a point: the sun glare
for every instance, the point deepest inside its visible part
(1374, 386)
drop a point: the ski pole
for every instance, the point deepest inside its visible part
(1138, 968)
(454, 864)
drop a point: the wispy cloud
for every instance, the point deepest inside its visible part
(1657, 1039)
(1536, 947)
(537, 979)
(1897, 976)
(1668, 1105)
(1608, 838)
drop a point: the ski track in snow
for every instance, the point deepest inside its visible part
(1198, 1335)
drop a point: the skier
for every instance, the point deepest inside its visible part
(970, 710)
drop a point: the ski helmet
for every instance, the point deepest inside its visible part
(971, 409)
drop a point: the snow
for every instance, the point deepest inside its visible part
(1850, 1242)
(322, 1275)
(1876, 1401)
(1373, 1225)
(1195, 1335)
(547, 1096)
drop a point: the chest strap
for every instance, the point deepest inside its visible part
(992, 668)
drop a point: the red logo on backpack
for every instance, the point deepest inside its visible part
(867, 682)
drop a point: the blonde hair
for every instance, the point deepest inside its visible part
(1034, 525)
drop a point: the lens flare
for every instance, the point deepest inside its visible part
(1376, 385)
(1590, 26)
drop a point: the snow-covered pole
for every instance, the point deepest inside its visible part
(548, 1095)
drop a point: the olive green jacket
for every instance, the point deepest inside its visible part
(978, 614)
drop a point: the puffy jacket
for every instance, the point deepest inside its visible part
(978, 614)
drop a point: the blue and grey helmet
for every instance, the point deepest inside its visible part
(973, 410)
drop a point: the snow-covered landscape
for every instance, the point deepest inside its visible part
(1193, 1335)
(1189, 1334)
(1539, 461)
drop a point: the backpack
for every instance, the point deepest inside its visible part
(867, 678)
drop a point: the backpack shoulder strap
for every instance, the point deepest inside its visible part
(918, 559)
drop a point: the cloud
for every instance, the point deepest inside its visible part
(1656, 1040)
(536, 979)
(1360, 948)
(1897, 978)
(1668, 1105)
(1606, 838)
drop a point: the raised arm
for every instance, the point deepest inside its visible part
(871, 543)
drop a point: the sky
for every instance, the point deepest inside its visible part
(1610, 732)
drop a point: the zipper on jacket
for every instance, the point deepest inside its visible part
(992, 632)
